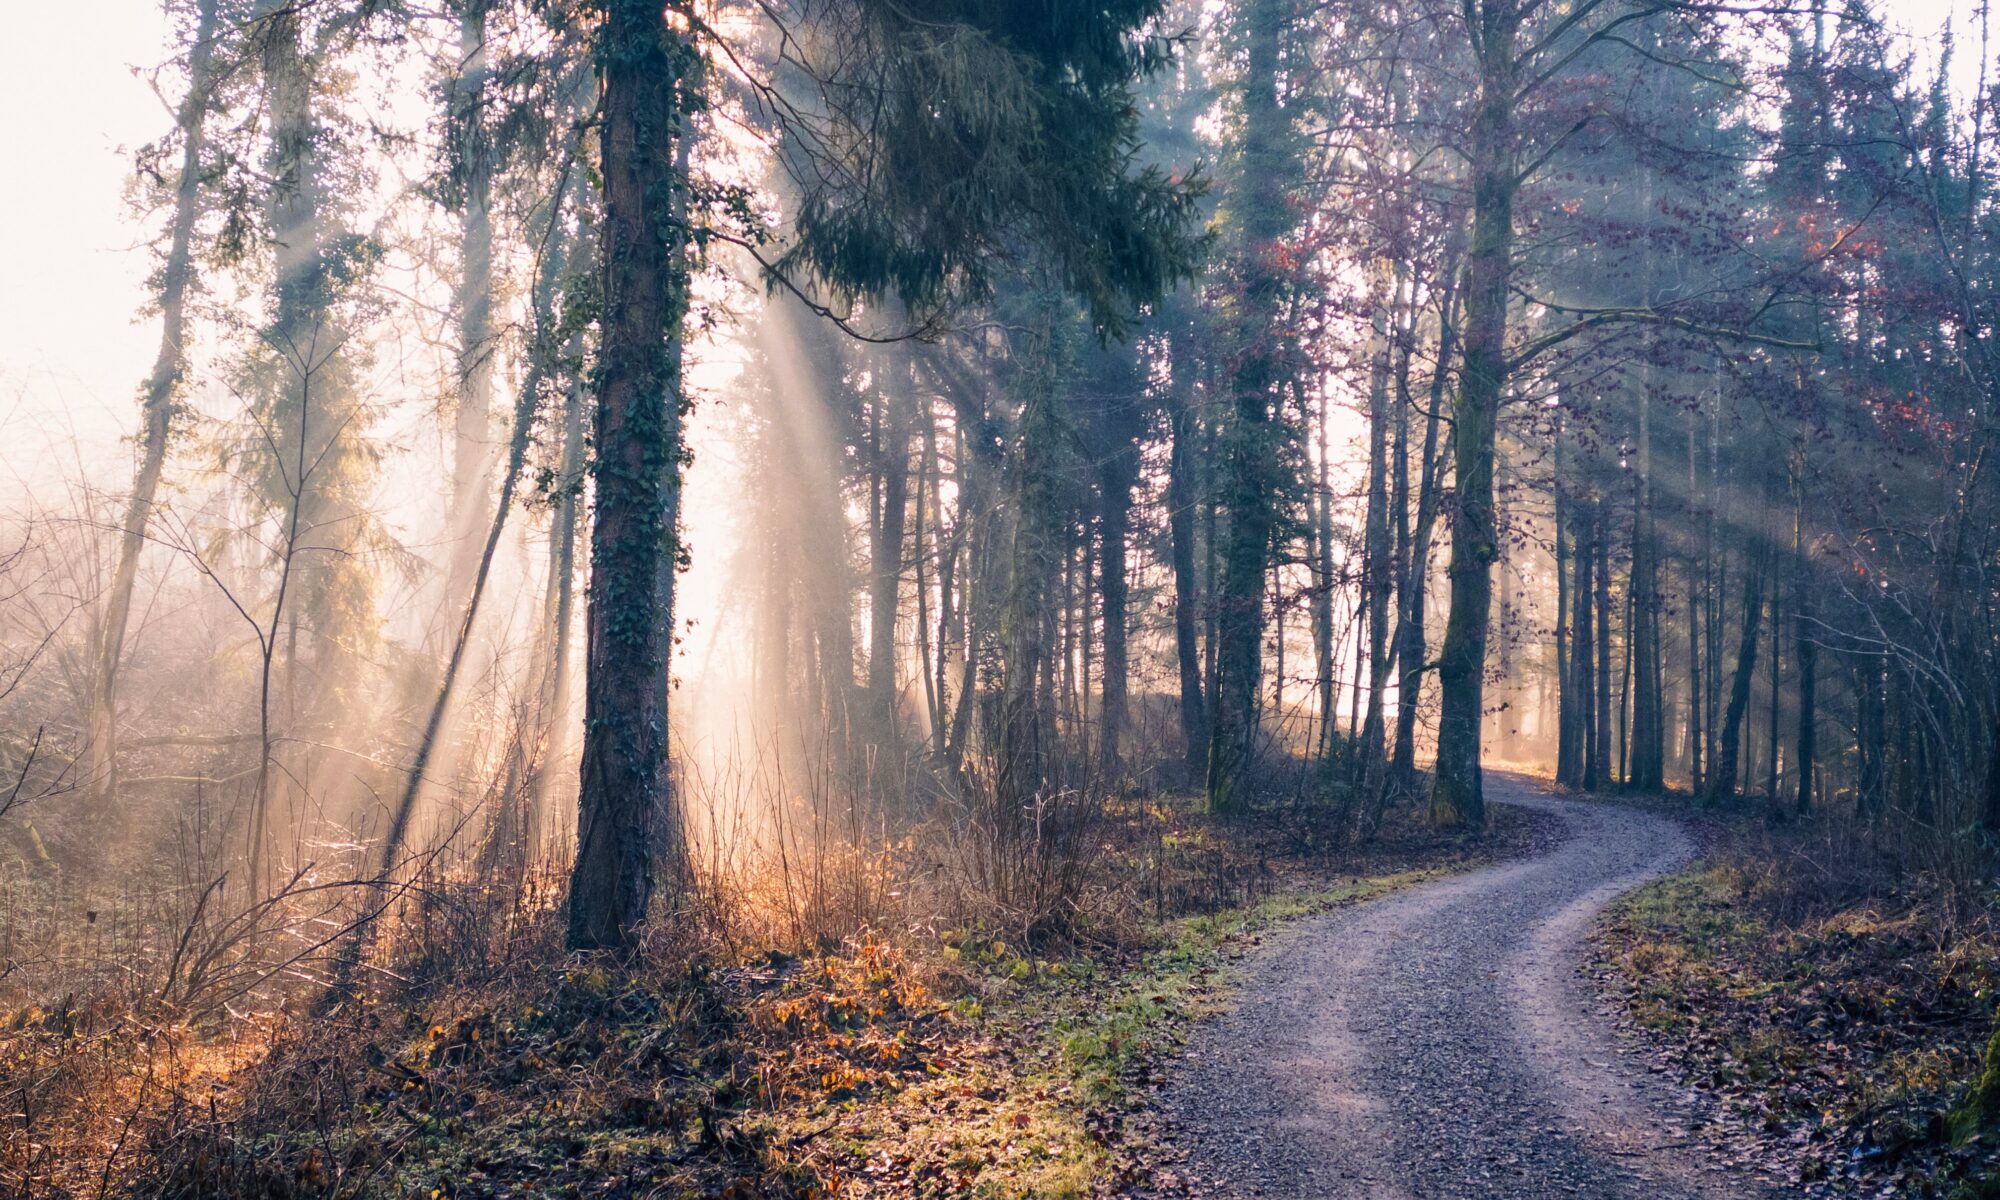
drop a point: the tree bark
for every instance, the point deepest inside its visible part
(885, 552)
(1375, 587)
(156, 409)
(624, 798)
(472, 428)
(1583, 651)
(1807, 657)
(1248, 490)
(1118, 472)
(1697, 572)
(1457, 799)
(1722, 779)
(1180, 536)
(1648, 760)
(1412, 643)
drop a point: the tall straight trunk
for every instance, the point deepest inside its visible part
(1062, 621)
(156, 406)
(1457, 798)
(1399, 497)
(1568, 760)
(1717, 568)
(1249, 480)
(1375, 584)
(624, 801)
(885, 551)
(1411, 640)
(1211, 546)
(1807, 657)
(1360, 627)
(1322, 575)
(1871, 735)
(1027, 628)
(672, 363)
(1722, 778)
(1697, 570)
(472, 428)
(1277, 646)
(1180, 536)
(1624, 768)
(1117, 473)
(1773, 737)
(929, 543)
(950, 623)
(1600, 546)
(981, 465)
(514, 822)
(1649, 751)
(1583, 650)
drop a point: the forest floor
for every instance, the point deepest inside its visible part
(911, 1062)
(1445, 1042)
(1830, 999)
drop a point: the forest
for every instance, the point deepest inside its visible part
(1002, 598)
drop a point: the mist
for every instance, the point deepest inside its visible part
(719, 521)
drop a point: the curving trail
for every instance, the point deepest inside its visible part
(1439, 1043)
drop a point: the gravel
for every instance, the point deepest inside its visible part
(1443, 1042)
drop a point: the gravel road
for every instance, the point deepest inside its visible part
(1441, 1043)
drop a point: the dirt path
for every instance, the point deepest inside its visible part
(1439, 1043)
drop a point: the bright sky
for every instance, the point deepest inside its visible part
(70, 352)
(71, 273)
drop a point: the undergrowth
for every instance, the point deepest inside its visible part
(935, 1051)
(1839, 1008)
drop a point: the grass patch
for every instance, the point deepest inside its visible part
(1052, 1057)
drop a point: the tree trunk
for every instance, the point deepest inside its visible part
(1697, 570)
(624, 798)
(1027, 627)
(1773, 737)
(1457, 799)
(1601, 726)
(156, 410)
(1375, 586)
(517, 454)
(315, 477)
(1807, 657)
(885, 551)
(1248, 490)
(1649, 752)
(1583, 650)
(1722, 779)
(1118, 472)
(1180, 535)
(472, 430)
(1322, 588)
(1411, 641)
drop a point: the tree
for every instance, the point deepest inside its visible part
(1248, 489)
(895, 203)
(159, 393)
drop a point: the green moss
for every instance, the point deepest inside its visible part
(1101, 1045)
(1979, 1114)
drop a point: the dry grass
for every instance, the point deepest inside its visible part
(890, 1013)
(1836, 1000)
